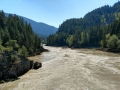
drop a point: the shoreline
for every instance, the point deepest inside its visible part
(109, 50)
(19, 67)
(71, 69)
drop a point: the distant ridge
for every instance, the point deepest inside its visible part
(39, 28)
(91, 30)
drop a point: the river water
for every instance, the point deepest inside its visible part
(71, 69)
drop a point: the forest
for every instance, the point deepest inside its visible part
(16, 34)
(98, 28)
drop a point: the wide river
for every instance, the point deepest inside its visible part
(71, 69)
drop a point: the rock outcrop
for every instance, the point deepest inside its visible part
(13, 65)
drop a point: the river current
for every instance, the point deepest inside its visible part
(71, 69)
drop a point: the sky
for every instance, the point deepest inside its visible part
(52, 12)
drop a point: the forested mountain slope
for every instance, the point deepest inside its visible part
(101, 16)
(16, 34)
(96, 28)
(42, 29)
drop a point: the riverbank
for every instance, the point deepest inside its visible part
(96, 48)
(13, 65)
(109, 50)
(71, 69)
(38, 52)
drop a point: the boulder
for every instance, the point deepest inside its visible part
(31, 64)
(37, 65)
(0, 75)
(12, 75)
(12, 65)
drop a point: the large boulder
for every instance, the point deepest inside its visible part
(12, 65)
(37, 65)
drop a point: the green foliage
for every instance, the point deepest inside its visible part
(102, 43)
(118, 43)
(6, 36)
(107, 37)
(15, 33)
(112, 42)
(70, 40)
(0, 41)
(7, 48)
(83, 38)
(23, 51)
(8, 57)
(13, 43)
(57, 40)
(13, 57)
(2, 48)
(100, 27)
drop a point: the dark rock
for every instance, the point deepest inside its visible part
(2, 81)
(22, 67)
(12, 75)
(0, 75)
(12, 65)
(37, 65)
(46, 50)
(31, 64)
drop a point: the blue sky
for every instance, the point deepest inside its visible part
(52, 12)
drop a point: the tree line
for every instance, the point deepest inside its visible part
(16, 34)
(98, 28)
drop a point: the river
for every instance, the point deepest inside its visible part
(71, 69)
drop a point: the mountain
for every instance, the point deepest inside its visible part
(16, 34)
(41, 29)
(93, 30)
(101, 16)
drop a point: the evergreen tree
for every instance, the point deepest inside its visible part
(17, 34)
(100, 27)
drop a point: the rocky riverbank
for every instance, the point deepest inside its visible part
(71, 69)
(12, 65)
(109, 50)
(38, 52)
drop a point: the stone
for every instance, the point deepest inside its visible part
(37, 65)
(31, 64)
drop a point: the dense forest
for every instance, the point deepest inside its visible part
(100, 27)
(16, 34)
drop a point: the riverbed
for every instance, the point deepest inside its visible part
(71, 69)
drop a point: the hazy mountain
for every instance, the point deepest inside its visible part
(40, 28)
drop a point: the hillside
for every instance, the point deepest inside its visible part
(94, 29)
(18, 35)
(17, 42)
(102, 16)
(39, 28)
